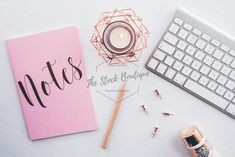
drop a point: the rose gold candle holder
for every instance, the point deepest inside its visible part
(133, 24)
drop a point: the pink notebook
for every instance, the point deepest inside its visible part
(51, 82)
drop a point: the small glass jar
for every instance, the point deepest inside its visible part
(197, 144)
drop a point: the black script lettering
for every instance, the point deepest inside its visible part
(65, 77)
(49, 66)
(26, 92)
(44, 89)
(70, 60)
(46, 85)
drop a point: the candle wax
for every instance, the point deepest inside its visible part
(120, 37)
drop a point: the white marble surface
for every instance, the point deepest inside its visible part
(132, 132)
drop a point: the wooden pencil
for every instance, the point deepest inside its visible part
(114, 116)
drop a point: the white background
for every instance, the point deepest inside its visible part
(132, 132)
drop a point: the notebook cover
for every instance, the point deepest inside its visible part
(51, 82)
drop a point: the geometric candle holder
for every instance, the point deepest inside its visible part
(120, 36)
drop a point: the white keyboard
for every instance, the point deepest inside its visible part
(198, 58)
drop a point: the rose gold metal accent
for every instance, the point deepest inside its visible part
(167, 114)
(158, 94)
(192, 137)
(141, 35)
(155, 131)
(144, 109)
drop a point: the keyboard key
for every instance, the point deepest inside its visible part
(178, 66)
(206, 94)
(233, 64)
(224, 47)
(215, 42)
(153, 63)
(173, 28)
(187, 26)
(220, 90)
(179, 55)
(187, 60)
(208, 60)
(233, 100)
(159, 55)
(232, 52)
(195, 75)
(217, 65)
(212, 85)
(161, 68)
(232, 75)
(169, 60)
(170, 38)
(192, 39)
(231, 109)
(179, 79)
(205, 69)
(225, 70)
(206, 37)
(200, 44)
(230, 84)
(186, 70)
(209, 49)
(190, 50)
(203, 80)
(229, 95)
(213, 74)
(197, 31)
(170, 73)
(199, 55)
(181, 45)
(196, 65)
(183, 33)
(227, 59)
(178, 21)
(166, 48)
(222, 80)
(218, 54)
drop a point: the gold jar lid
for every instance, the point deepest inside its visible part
(192, 136)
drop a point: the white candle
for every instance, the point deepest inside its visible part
(120, 37)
